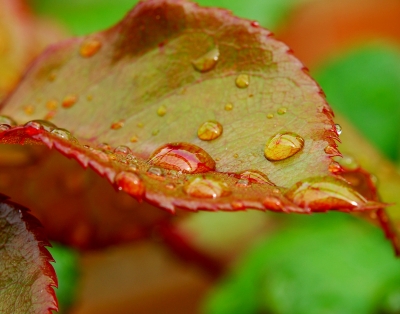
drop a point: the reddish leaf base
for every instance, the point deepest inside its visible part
(26, 276)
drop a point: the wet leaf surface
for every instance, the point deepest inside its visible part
(26, 275)
(134, 94)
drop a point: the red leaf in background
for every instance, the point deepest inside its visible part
(26, 275)
(186, 107)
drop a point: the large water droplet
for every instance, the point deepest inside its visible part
(209, 130)
(184, 157)
(69, 101)
(122, 150)
(322, 193)
(207, 61)
(65, 134)
(242, 81)
(41, 125)
(7, 120)
(204, 187)
(283, 145)
(255, 176)
(90, 47)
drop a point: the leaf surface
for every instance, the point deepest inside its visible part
(26, 275)
(154, 81)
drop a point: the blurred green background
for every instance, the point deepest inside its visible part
(331, 263)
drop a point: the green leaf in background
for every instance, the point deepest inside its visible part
(328, 263)
(87, 16)
(363, 84)
(67, 270)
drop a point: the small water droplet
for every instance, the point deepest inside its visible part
(255, 176)
(235, 155)
(335, 167)
(65, 134)
(242, 81)
(105, 147)
(228, 107)
(184, 157)
(162, 110)
(130, 182)
(41, 125)
(140, 125)
(69, 101)
(4, 127)
(122, 150)
(29, 110)
(209, 131)
(170, 186)
(205, 187)
(155, 171)
(282, 110)
(50, 115)
(133, 168)
(155, 132)
(87, 147)
(134, 139)
(283, 145)
(117, 125)
(254, 24)
(243, 183)
(332, 150)
(338, 129)
(322, 193)
(270, 115)
(206, 62)
(89, 97)
(7, 120)
(52, 104)
(90, 47)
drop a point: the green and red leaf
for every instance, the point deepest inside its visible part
(26, 275)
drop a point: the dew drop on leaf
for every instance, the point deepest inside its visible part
(206, 62)
(270, 115)
(209, 130)
(29, 110)
(130, 183)
(283, 145)
(184, 157)
(4, 127)
(105, 147)
(282, 110)
(162, 110)
(228, 107)
(134, 139)
(90, 47)
(254, 24)
(331, 150)
(155, 171)
(52, 104)
(7, 120)
(122, 150)
(321, 192)
(255, 176)
(65, 134)
(242, 81)
(243, 183)
(170, 186)
(335, 167)
(338, 129)
(69, 101)
(205, 187)
(40, 125)
(117, 125)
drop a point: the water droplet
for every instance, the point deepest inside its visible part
(105, 147)
(184, 157)
(228, 107)
(235, 155)
(155, 171)
(255, 176)
(134, 139)
(4, 127)
(242, 81)
(41, 125)
(65, 134)
(209, 131)
(123, 150)
(7, 120)
(52, 104)
(50, 115)
(335, 167)
(162, 110)
(338, 129)
(117, 125)
(69, 101)
(332, 150)
(155, 132)
(282, 110)
(90, 47)
(29, 110)
(204, 187)
(270, 115)
(170, 186)
(254, 24)
(206, 62)
(243, 183)
(130, 182)
(322, 193)
(283, 145)
(89, 97)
